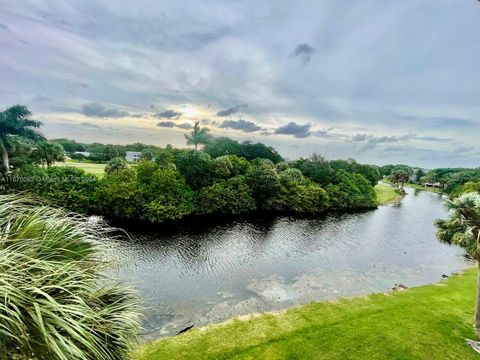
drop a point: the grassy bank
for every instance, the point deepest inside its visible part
(424, 188)
(386, 194)
(428, 322)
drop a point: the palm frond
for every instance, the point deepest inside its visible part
(54, 305)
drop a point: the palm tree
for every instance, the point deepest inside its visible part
(462, 228)
(48, 152)
(198, 136)
(15, 121)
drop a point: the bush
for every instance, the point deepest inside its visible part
(196, 167)
(118, 196)
(263, 180)
(116, 164)
(146, 192)
(298, 195)
(166, 197)
(350, 191)
(55, 304)
(222, 167)
(69, 187)
(232, 196)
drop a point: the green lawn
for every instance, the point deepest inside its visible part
(386, 194)
(428, 322)
(96, 169)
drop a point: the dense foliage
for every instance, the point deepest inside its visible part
(55, 304)
(174, 183)
(248, 150)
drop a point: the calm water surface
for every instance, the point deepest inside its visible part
(211, 274)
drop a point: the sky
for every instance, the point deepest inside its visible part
(381, 81)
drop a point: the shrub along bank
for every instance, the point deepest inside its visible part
(178, 183)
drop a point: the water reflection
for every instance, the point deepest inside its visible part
(209, 273)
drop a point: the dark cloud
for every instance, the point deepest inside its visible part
(90, 125)
(235, 109)
(240, 124)
(303, 52)
(167, 124)
(168, 114)
(360, 137)
(98, 110)
(292, 128)
(171, 124)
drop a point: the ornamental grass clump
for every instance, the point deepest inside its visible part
(54, 304)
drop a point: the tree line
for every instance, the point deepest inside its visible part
(177, 183)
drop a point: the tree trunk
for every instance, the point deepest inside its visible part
(195, 146)
(477, 308)
(5, 160)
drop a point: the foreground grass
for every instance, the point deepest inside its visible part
(386, 194)
(424, 188)
(428, 322)
(95, 169)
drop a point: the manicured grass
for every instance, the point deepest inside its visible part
(428, 322)
(421, 187)
(95, 169)
(386, 194)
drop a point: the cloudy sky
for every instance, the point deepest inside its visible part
(381, 81)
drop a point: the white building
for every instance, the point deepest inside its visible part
(133, 156)
(84, 153)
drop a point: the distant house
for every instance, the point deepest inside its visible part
(133, 156)
(83, 153)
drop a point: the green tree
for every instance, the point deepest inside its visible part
(148, 154)
(400, 175)
(232, 196)
(166, 197)
(224, 146)
(198, 136)
(21, 151)
(16, 121)
(350, 191)
(110, 153)
(115, 164)
(222, 167)
(118, 195)
(462, 228)
(240, 165)
(263, 180)
(47, 152)
(196, 167)
(298, 194)
(317, 168)
(165, 157)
